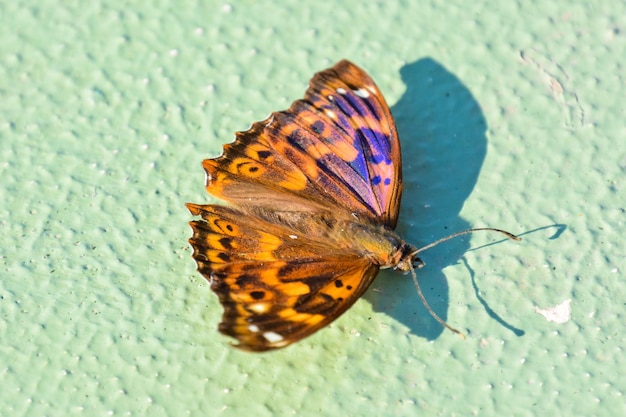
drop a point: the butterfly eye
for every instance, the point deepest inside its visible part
(417, 263)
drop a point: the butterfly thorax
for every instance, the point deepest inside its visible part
(376, 242)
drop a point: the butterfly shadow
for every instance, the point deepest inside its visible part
(443, 138)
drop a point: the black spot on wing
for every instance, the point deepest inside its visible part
(257, 295)
(226, 243)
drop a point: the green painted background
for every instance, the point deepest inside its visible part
(510, 116)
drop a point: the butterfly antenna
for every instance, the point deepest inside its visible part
(430, 310)
(435, 243)
(467, 232)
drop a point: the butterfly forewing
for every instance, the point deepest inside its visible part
(357, 111)
(337, 147)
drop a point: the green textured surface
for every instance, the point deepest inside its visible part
(510, 116)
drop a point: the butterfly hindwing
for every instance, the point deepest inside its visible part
(276, 288)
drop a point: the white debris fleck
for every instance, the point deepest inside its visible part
(293, 236)
(560, 313)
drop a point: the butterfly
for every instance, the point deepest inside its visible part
(313, 197)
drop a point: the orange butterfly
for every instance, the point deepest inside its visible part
(314, 195)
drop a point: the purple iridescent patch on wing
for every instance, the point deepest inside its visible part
(345, 126)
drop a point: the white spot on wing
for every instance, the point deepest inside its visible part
(559, 313)
(259, 308)
(272, 337)
(340, 91)
(331, 114)
(362, 92)
(253, 328)
(293, 236)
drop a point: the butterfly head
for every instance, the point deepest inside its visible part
(406, 259)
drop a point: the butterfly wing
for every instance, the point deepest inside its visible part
(335, 149)
(363, 133)
(276, 288)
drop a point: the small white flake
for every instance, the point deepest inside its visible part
(293, 236)
(362, 92)
(272, 337)
(560, 313)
